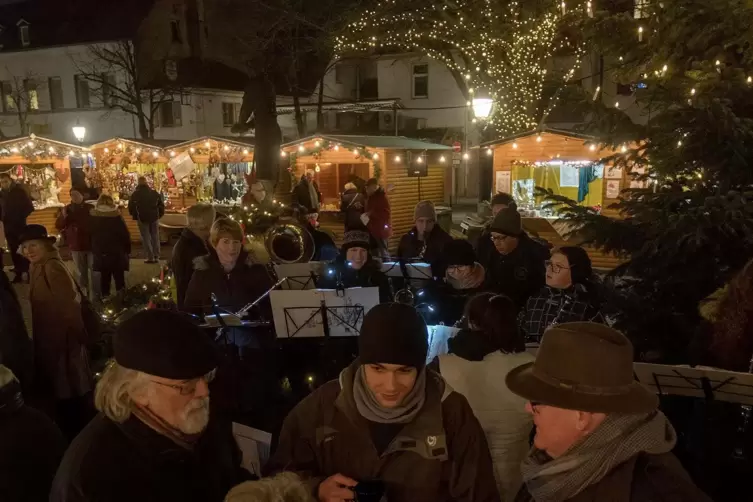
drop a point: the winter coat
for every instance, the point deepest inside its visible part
(642, 478)
(352, 206)
(146, 205)
(234, 290)
(16, 207)
(61, 361)
(32, 446)
(410, 248)
(370, 276)
(518, 275)
(441, 455)
(75, 224)
(111, 241)
(554, 306)
(450, 302)
(302, 196)
(189, 247)
(16, 348)
(325, 248)
(502, 414)
(129, 462)
(380, 215)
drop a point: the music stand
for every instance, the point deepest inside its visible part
(702, 382)
(297, 275)
(416, 270)
(322, 312)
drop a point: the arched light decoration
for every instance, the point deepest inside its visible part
(397, 158)
(482, 107)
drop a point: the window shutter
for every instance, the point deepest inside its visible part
(177, 114)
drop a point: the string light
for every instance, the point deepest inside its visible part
(51, 150)
(397, 158)
(107, 150)
(301, 149)
(192, 149)
(226, 148)
(283, 153)
(592, 147)
(420, 160)
(538, 138)
(172, 153)
(616, 104)
(207, 144)
(623, 149)
(640, 34)
(356, 152)
(515, 146)
(317, 143)
(489, 152)
(749, 79)
(375, 156)
(466, 156)
(138, 150)
(336, 148)
(120, 146)
(442, 159)
(245, 151)
(155, 154)
(692, 91)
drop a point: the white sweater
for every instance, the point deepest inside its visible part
(501, 413)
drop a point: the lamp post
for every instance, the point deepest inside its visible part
(481, 107)
(79, 132)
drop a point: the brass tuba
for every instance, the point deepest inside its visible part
(289, 242)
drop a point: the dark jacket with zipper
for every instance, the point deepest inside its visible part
(411, 248)
(642, 478)
(302, 196)
(554, 306)
(442, 455)
(31, 446)
(146, 205)
(339, 274)
(129, 462)
(189, 247)
(235, 289)
(110, 240)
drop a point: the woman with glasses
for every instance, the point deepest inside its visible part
(570, 294)
(62, 378)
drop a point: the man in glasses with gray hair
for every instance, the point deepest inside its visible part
(154, 439)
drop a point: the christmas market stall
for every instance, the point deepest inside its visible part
(561, 161)
(43, 167)
(409, 170)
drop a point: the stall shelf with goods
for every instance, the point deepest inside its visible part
(564, 162)
(409, 170)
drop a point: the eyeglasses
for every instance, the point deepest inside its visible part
(189, 387)
(499, 238)
(456, 268)
(556, 267)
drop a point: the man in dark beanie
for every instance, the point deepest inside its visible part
(515, 266)
(388, 427)
(153, 440)
(355, 267)
(426, 240)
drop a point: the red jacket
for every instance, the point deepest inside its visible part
(380, 215)
(76, 225)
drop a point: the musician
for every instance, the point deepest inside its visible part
(356, 267)
(425, 241)
(325, 248)
(232, 274)
(463, 279)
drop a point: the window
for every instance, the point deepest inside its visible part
(175, 31)
(169, 114)
(340, 70)
(82, 92)
(23, 33)
(230, 112)
(108, 84)
(9, 101)
(421, 81)
(55, 85)
(641, 9)
(32, 94)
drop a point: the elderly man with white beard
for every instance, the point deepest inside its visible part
(153, 439)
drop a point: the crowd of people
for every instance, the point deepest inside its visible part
(488, 421)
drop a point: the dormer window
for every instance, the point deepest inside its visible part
(23, 33)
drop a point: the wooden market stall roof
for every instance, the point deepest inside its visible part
(363, 141)
(547, 145)
(202, 150)
(33, 149)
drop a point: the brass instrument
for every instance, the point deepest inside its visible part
(289, 243)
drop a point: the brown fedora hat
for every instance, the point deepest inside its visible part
(583, 366)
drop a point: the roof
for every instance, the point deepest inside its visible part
(55, 23)
(345, 106)
(559, 132)
(247, 141)
(34, 137)
(146, 143)
(386, 142)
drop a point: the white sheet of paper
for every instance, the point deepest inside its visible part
(502, 181)
(182, 165)
(255, 446)
(568, 176)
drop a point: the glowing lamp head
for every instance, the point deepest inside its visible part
(79, 131)
(482, 107)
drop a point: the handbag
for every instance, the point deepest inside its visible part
(92, 321)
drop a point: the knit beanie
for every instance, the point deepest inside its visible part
(393, 333)
(580, 264)
(458, 252)
(165, 344)
(502, 198)
(355, 239)
(425, 209)
(507, 222)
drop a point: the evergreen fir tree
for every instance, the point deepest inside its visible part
(691, 227)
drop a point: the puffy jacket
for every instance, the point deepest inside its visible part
(146, 205)
(440, 456)
(110, 239)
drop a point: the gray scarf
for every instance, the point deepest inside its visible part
(314, 195)
(371, 410)
(619, 438)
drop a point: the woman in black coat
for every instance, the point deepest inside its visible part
(463, 279)
(111, 244)
(352, 206)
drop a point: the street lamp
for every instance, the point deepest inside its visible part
(482, 107)
(79, 132)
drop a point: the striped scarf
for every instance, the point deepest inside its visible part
(619, 438)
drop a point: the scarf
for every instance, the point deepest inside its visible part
(371, 410)
(619, 438)
(314, 196)
(470, 281)
(154, 422)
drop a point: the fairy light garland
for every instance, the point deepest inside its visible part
(508, 64)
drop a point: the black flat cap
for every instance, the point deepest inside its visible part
(165, 344)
